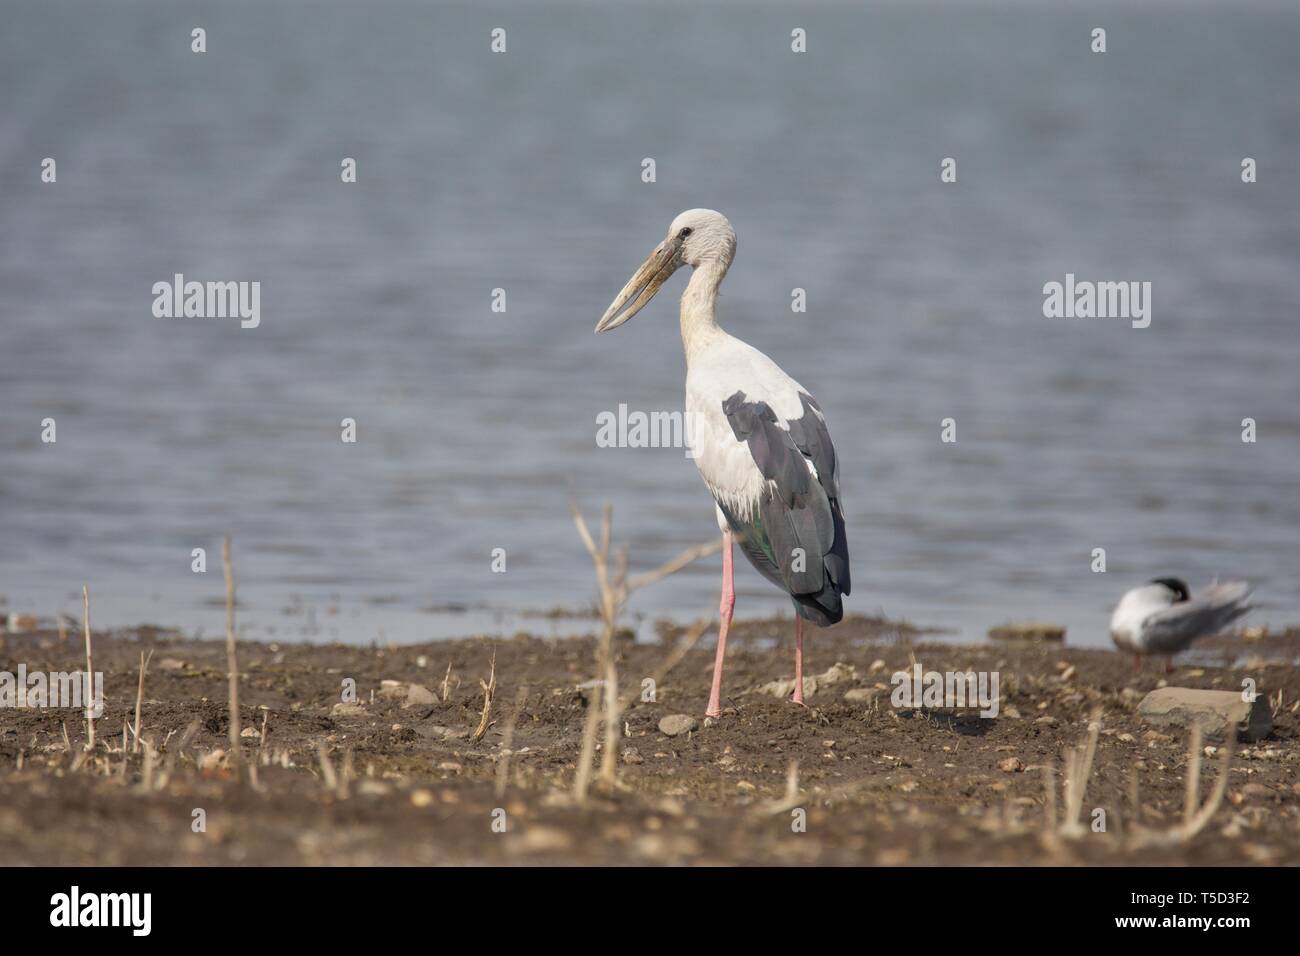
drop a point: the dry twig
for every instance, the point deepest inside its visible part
(791, 798)
(489, 689)
(232, 663)
(1196, 815)
(90, 671)
(326, 767)
(615, 588)
(507, 741)
(139, 699)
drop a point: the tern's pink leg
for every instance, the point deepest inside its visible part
(725, 607)
(798, 659)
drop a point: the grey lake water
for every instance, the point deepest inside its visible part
(522, 171)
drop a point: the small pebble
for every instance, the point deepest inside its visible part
(418, 695)
(676, 724)
(543, 839)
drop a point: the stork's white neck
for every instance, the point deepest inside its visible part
(699, 306)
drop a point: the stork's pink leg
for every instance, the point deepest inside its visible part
(798, 659)
(725, 607)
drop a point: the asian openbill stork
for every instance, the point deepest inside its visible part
(1162, 617)
(758, 438)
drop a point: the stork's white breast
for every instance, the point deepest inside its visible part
(716, 373)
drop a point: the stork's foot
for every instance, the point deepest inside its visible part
(1169, 665)
(797, 696)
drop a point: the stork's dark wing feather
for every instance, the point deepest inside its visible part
(811, 437)
(795, 535)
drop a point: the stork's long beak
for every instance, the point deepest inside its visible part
(643, 285)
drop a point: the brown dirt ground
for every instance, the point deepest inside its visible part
(878, 785)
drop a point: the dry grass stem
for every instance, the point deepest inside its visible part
(1196, 815)
(1191, 791)
(1079, 763)
(139, 699)
(582, 779)
(1049, 797)
(489, 690)
(90, 670)
(508, 741)
(150, 761)
(347, 775)
(792, 796)
(173, 753)
(615, 588)
(327, 768)
(609, 756)
(232, 663)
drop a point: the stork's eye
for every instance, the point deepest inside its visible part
(685, 232)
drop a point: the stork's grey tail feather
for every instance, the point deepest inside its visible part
(826, 607)
(823, 608)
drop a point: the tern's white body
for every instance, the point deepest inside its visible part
(1127, 624)
(1158, 619)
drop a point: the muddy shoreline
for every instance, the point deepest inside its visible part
(404, 782)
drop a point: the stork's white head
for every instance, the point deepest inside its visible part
(696, 237)
(704, 234)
